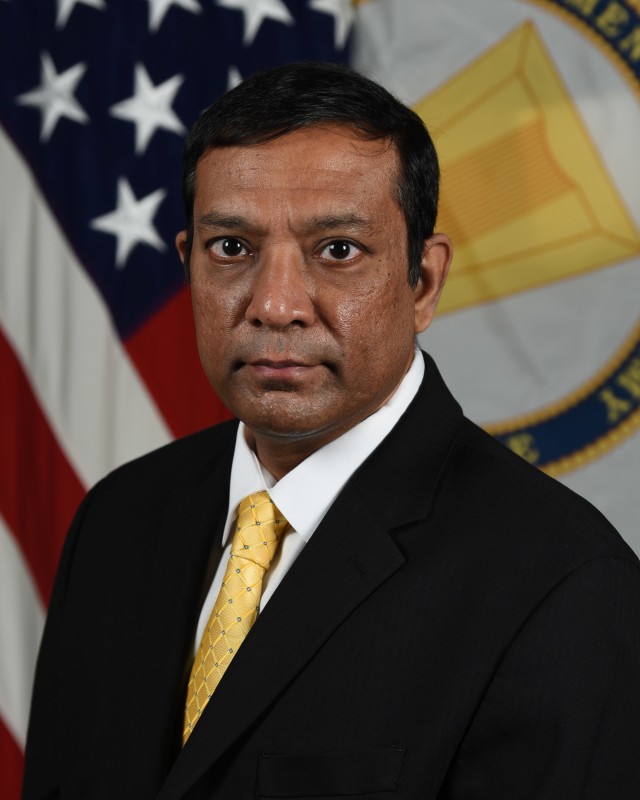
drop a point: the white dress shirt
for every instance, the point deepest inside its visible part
(305, 494)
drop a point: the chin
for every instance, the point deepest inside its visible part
(278, 428)
(275, 423)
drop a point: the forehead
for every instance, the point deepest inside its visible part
(317, 159)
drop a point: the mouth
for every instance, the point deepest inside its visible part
(279, 368)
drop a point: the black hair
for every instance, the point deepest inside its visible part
(278, 101)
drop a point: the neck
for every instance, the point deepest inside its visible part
(281, 454)
(279, 457)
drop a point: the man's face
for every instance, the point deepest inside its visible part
(304, 315)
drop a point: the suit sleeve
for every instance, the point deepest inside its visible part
(561, 718)
(41, 781)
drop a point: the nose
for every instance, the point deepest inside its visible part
(281, 293)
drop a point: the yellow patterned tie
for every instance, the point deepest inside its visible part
(258, 531)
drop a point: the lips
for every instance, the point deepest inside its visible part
(274, 363)
(278, 368)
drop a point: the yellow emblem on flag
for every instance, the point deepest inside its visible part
(507, 122)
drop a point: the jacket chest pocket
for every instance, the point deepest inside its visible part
(334, 775)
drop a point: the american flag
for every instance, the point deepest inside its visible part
(97, 352)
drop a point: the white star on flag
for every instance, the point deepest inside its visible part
(343, 15)
(158, 9)
(132, 221)
(65, 7)
(149, 108)
(54, 97)
(255, 12)
(234, 78)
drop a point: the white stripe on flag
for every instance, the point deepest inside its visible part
(21, 624)
(57, 321)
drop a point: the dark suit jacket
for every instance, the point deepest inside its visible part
(459, 627)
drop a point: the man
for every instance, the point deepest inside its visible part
(436, 618)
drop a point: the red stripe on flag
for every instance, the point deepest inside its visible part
(11, 766)
(165, 353)
(39, 490)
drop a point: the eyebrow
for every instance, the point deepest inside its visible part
(325, 222)
(213, 220)
(331, 222)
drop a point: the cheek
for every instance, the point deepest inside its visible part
(204, 314)
(200, 303)
(212, 328)
(214, 306)
(376, 327)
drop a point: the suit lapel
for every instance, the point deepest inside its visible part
(400, 478)
(175, 556)
(344, 562)
(350, 555)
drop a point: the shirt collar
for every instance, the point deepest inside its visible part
(296, 495)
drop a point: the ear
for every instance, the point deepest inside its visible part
(434, 267)
(181, 244)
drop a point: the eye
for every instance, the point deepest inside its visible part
(340, 250)
(228, 247)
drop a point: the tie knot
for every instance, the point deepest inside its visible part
(258, 530)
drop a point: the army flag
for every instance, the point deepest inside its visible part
(534, 108)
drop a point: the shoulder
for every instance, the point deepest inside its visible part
(516, 509)
(166, 471)
(124, 511)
